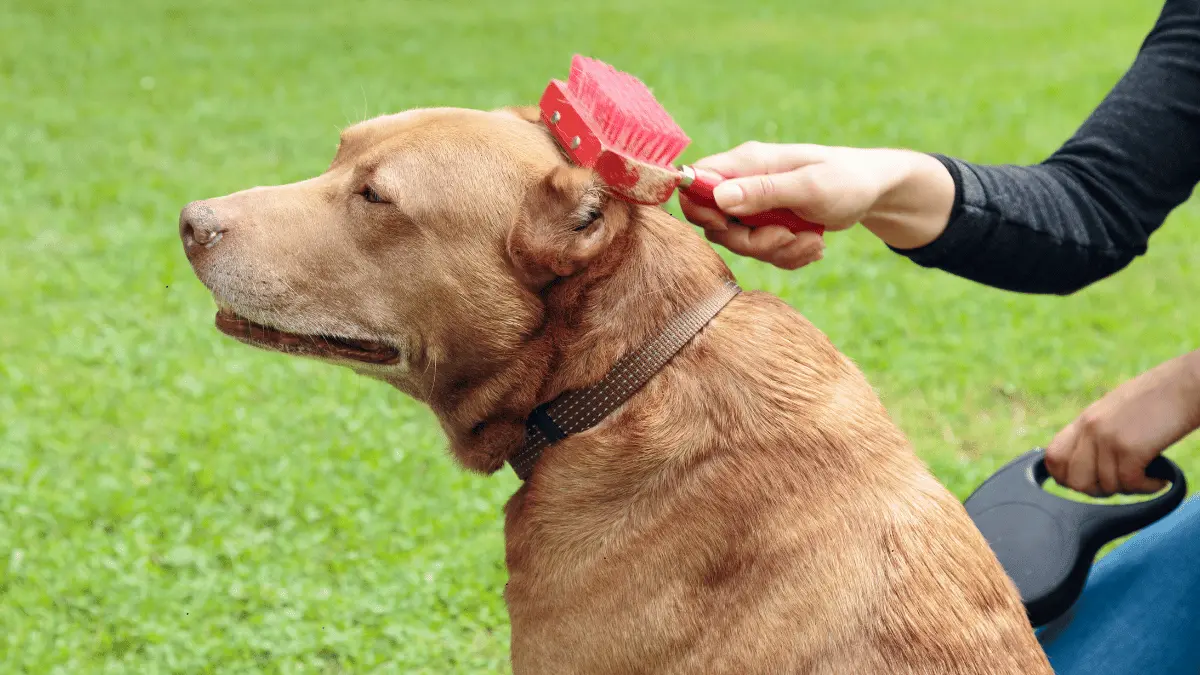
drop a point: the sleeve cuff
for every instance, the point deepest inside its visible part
(959, 232)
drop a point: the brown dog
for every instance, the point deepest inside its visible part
(752, 509)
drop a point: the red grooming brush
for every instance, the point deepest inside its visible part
(608, 121)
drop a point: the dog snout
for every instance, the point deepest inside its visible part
(199, 227)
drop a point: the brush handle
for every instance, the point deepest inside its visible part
(700, 191)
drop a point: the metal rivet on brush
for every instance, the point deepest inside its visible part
(575, 142)
(555, 117)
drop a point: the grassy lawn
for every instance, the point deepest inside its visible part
(172, 502)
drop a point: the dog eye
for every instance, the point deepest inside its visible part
(371, 195)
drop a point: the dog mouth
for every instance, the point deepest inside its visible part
(322, 346)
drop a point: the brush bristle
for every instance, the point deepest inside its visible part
(623, 113)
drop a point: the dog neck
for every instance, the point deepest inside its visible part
(654, 270)
(578, 410)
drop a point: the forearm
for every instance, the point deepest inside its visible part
(1191, 370)
(917, 203)
(1034, 229)
(1089, 209)
(934, 210)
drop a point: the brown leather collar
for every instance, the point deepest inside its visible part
(582, 409)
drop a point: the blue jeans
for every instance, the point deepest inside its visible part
(1140, 610)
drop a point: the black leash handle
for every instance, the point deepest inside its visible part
(1046, 543)
(1107, 522)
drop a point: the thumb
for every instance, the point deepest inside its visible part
(754, 194)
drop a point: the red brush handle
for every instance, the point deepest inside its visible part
(701, 192)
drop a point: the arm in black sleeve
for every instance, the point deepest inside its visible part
(1090, 208)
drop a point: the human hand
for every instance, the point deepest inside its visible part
(903, 197)
(1106, 450)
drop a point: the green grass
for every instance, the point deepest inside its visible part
(172, 502)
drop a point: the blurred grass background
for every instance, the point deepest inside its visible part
(172, 502)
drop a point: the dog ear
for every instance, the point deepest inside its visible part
(566, 221)
(529, 113)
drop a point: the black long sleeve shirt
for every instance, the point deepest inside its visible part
(1089, 209)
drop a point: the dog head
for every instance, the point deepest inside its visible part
(422, 244)
(426, 255)
(417, 257)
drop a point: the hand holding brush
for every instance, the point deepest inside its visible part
(608, 121)
(903, 197)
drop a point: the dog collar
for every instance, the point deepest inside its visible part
(581, 409)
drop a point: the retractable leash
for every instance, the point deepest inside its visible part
(1047, 543)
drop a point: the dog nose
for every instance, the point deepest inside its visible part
(199, 226)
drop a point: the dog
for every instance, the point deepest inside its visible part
(750, 509)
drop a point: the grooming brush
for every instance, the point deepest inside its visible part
(608, 121)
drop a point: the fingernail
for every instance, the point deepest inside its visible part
(729, 194)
